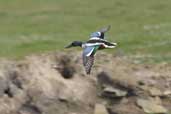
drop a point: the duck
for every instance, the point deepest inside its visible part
(96, 42)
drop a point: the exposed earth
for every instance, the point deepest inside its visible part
(55, 83)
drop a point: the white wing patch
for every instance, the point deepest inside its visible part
(93, 44)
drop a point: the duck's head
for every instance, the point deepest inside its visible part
(74, 44)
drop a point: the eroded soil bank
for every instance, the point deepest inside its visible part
(56, 83)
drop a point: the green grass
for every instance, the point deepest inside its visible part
(141, 27)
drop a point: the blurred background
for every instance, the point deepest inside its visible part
(135, 75)
(142, 28)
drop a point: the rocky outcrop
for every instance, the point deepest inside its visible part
(151, 107)
(125, 97)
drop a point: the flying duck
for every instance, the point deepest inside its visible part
(96, 42)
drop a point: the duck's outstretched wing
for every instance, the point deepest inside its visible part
(88, 58)
(103, 30)
(100, 34)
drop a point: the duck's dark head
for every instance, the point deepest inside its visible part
(74, 44)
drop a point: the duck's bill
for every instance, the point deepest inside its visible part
(68, 46)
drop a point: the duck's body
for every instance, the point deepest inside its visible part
(96, 42)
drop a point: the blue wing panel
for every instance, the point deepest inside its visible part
(88, 50)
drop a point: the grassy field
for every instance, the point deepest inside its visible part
(141, 27)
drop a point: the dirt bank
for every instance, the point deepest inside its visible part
(56, 83)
